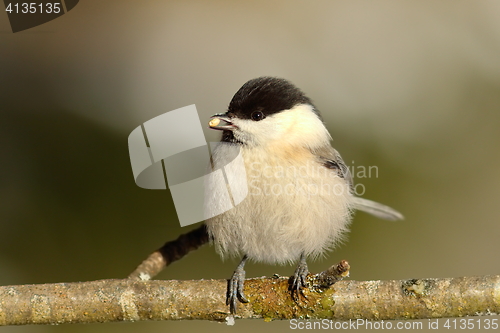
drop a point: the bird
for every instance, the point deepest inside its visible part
(301, 196)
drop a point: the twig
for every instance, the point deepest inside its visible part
(333, 274)
(170, 252)
(131, 300)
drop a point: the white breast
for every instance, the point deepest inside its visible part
(294, 205)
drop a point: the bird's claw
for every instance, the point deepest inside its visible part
(235, 290)
(299, 280)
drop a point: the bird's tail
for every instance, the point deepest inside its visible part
(377, 209)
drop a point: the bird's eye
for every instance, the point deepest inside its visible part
(257, 115)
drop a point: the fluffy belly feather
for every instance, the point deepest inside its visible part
(291, 208)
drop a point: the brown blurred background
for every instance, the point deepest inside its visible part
(410, 87)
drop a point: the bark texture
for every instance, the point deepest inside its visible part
(133, 300)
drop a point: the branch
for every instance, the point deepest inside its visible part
(132, 300)
(170, 252)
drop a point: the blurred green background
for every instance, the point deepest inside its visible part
(411, 87)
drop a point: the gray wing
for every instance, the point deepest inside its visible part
(331, 159)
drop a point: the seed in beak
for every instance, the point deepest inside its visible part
(214, 122)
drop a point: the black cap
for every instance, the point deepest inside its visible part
(268, 95)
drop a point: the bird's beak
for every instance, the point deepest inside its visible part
(221, 122)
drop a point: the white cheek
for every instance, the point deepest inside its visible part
(299, 126)
(258, 132)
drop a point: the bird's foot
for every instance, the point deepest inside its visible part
(299, 279)
(235, 288)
